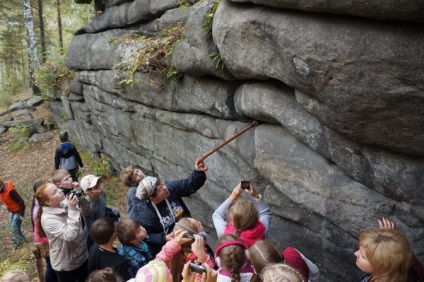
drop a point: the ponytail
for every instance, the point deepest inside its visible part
(41, 198)
(40, 229)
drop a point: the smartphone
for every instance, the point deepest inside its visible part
(197, 268)
(245, 184)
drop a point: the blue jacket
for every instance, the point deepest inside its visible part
(144, 212)
(67, 157)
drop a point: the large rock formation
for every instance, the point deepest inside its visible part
(339, 99)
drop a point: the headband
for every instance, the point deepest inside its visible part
(229, 243)
(185, 227)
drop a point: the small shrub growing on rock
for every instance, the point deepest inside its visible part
(52, 74)
(20, 136)
(207, 24)
(155, 56)
(216, 58)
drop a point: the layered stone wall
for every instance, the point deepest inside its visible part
(337, 88)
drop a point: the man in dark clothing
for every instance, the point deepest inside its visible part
(16, 206)
(157, 206)
(67, 156)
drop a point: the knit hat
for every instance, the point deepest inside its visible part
(88, 181)
(146, 188)
(154, 271)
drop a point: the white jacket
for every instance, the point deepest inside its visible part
(68, 246)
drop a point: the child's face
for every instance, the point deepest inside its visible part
(199, 226)
(54, 195)
(95, 192)
(140, 235)
(66, 182)
(138, 176)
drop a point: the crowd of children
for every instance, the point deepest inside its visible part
(160, 241)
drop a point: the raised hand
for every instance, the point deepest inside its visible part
(200, 165)
(237, 191)
(385, 223)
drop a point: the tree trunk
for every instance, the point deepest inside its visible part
(42, 36)
(33, 60)
(59, 26)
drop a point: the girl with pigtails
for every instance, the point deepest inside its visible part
(232, 258)
(247, 220)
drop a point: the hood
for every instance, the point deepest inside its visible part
(249, 236)
(65, 148)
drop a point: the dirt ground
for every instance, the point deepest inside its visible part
(36, 161)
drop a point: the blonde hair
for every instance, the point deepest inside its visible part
(388, 253)
(177, 262)
(58, 175)
(281, 272)
(262, 254)
(15, 276)
(128, 176)
(243, 215)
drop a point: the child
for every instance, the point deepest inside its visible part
(63, 180)
(196, 250)
(67, 157)
(281, 272)
(102, 275)
(232, 259)
(50, 275)
(15, 276)
(263, 253)
(102, 254)
(16, 206)
(157, 270)
(245, 220)
(133, 246)
(132, 175)
(59, 219)
(94, 194)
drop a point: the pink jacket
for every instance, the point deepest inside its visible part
(37, 238)
(249, 236)
(171, 248)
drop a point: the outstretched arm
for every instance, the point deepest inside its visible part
(190, 185)
(218, 217)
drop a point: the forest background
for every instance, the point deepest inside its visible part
(34, 36)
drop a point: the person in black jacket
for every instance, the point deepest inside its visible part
(103, 253)
(67, 156)
(157, 205)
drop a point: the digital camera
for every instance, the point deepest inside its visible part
(77, 193)
(197, 268)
